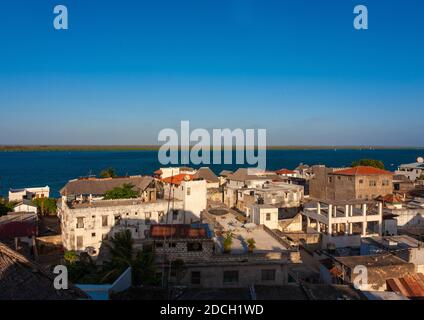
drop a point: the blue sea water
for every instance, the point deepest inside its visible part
(29, 169)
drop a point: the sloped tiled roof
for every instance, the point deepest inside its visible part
(177, 179)
(362, 171)
(285, 171)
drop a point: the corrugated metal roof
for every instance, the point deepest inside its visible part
(410, 286)
(179, 231)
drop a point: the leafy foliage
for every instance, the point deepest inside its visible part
(124, 192)
(71, 257)
(122, 256)
(6, 206)
(228, 241)
(251, 244)
(46, 205)
(108, 173)
(369, 162)
(82, 269)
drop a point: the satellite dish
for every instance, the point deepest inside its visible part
(420, 160)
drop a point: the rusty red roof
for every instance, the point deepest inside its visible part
(362, 171)
(177, 179)
(178, 231)
(410, 286)
(390, 198)
(284, 171)
(17, 229)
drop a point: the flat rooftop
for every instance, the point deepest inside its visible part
(402, 241)
(264, 241)
(114, 203)
(371, 261)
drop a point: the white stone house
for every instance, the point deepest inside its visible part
(25, 206)
(412, 170)
(87, 219)
(264, 214)
(17, 195)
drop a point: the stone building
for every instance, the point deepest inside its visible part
(18, 195)
(366, 183)
(202, 263)
(245, 188)
(380, 268)
(87, 219)
(342, 224)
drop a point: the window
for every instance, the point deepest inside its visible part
(194, 246)
(195, 277)
(117, 220)
(268, 275)
(372, 183)
(161, 216)
(361, 181)
(385, 182)
(268, 217)
(188, 191)
(172, 245)
(148, 215)
(231, 276)
(174, 214)
(80, 223)
(104, 221)
(93, 234)
(330, 179)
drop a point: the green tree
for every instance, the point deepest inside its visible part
(369, 162)
(124, 192)
(46, 206)
(123, 255)
(6, 206)
(108, 173)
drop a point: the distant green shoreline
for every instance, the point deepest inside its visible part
(52, 148)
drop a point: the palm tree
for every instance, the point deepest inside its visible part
(123, 255)
(121, 252)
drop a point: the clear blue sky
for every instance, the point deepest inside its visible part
(126, 69)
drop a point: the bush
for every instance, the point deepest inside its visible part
(6, 206)
(124, 192)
